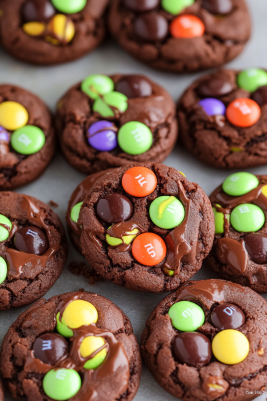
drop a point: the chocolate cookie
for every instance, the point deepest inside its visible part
(107, 122)
(77, 346)
(183, 35)
(2, 395)
(239, 251)
(51, 31)
(33, 249)
(146, 228)
(27, 138)
(207, 341)
(223, 118)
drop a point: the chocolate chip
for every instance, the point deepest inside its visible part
(260, 96)
(151, 27)
(134, 86)
(37, 10)
(50, 348)
(114, 208)
(227, 316)
(141, 5)
(218, 6)
(256, 246)
(214, 87)
(194, 349)
(31, 239)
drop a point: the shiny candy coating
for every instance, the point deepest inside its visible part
(62, 384)
(69, 6)
(260, 96)
(34, 28)
(214, 87)
(193, 349)
(251, 79)
(149, 249)
(89, 346)
(218, 7)
(37, 10)
(62, 28)
(126, 239)
(135, 138)
(151, 27)
(62, 328)
(5, 224)
(102, 136)
(141, 5)
(247, 218)
(167, 212)
(186, 316)
(96, 85)
(13, 115)
(230, 347)
(75, 212)
(28, 140)
(187, 26)
(243, 112)
(4, 137)
(133, 86)
(176, 6)
(213, 107)
(79, 313)
(114, 208)
(256, 246)
(139, 181)
(3, 270)
(50, 348)
(110, 103)
(239, 184)
(227, 316)
(31, 239)
(219, 220)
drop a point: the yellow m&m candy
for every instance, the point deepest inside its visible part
(13, 115)
(230, 347)
(89, 346)
(62, 30)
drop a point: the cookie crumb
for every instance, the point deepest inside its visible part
(53, 204)
(83, 269)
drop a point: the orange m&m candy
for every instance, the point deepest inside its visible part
(139, 181)
(187, 26)
(149, 249)
(243, 112)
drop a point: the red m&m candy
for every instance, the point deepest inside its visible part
(187, 26)
(139, 181)
(243, 112)
(149, 249)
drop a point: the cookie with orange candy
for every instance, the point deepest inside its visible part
(144, 227)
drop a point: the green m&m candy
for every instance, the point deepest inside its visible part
(239, 184)
(69, 6)
(219, 220)
(63, 329)
(75, 212)
(116, 100)
(5, 227)
(247, 218)
(96, 85)
(3, 270)
(62, 384)
(127, 239)
(167, 212)
(135, 138)
(186, 316)
(28, 140)
(251, 79)
(176, 6)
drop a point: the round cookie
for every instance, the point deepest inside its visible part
(107, 122)
(50, 32)
(239, 251)
(181, 35)
(224, 358)
(88, 351)
(223, 116)
(33, 249)
(27, 138)
(129, 245)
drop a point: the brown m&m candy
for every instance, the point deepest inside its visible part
(50, 348)
(227, 316)
(37, 10)
(194, 349)
(141, 5)
(151, 26)
(256, 246)
(218, 6)
(133, 86)
(260, 96)
(31, 239)
(114, 208)
(214, 87)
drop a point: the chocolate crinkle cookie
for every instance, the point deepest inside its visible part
(207, 341)
(51, 31)
(239, 251)
(146, 228)
(77, 346)
(181, 35)
(223, 118)
(107, 122)
(27, 137)
(33, 249)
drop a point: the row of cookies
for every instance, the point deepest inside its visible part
(172, 35)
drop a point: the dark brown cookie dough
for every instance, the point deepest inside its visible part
(144, 29)
(214, 380)
(237, 255)
(50, 45)
(214, 140)
(2, 395)
(148, 103)
(34, 248)
(17, 169)
(186, 244)
(116, 379)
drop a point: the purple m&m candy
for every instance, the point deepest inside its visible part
(4, 137)
(102, 136)
(213, 107)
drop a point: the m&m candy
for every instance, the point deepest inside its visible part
(50, 348)
(243, 112)
(176, 6)
(186, 316)
(187, 26)
(4, 137)
(62, 384)
(230, 347)
(96, 85)
(194, 349)
(75, 212)
(149, 249)
(256, 247)
(219, 220)
(62, 29)
(69, 6)
(227, 316)
(218, 7)
(126, 239)
(110, 102)
(260, 96)
(135, 138)
(28, 140)
(5, 227)
(239, 184)
(34, 28)
(114, 208)
(167, 212)
(247, 218)
(151, 26)
(139, 181)
(3, 270)
(31, 239)
(89, 346)
(213, 107)
(13, 115)
(251, 79)
(102, 136)
(143, 5)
